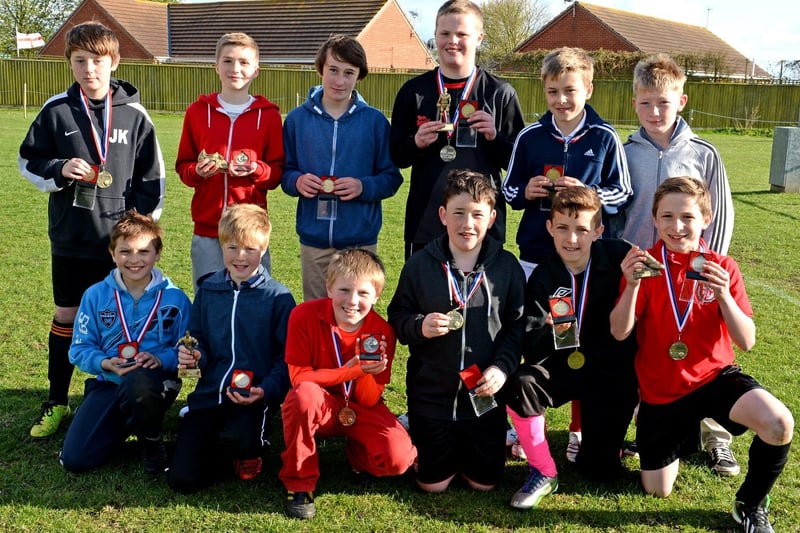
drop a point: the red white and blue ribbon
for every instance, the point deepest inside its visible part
(102, 148)
(584, 296)
(124, 322)
(680, 319)
(347, 386)
(455, 290)
(464, 92)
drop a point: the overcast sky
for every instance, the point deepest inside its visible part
(767, 31)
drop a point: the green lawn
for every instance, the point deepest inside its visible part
(36, 494)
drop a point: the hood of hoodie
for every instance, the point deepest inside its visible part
(682, 133)
(122, 93)
(314, 103)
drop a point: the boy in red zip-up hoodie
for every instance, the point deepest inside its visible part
(231, 149)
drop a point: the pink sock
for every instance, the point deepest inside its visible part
(530, 431)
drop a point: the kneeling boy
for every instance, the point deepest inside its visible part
(126, 332)
(339, 352)
(685, 363)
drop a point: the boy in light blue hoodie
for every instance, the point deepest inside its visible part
(337, 163)
(126, 333)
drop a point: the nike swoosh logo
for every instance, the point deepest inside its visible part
(68, 133)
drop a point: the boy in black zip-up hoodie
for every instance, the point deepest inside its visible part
(459, 308)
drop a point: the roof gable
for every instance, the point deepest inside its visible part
(642, 33)
(304, 26)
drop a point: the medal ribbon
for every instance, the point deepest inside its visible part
(455, 290)
(102, 149)
(124, 322)
(464, 92)
(680, 321)
(347, 386)
(581, 302)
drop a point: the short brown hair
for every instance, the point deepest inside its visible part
(659, 72)
(343, 48)
(134, 224)
(359, 264)
(235, 39)
(685, 185)
(478, 186)
(572, 200)
(566, 59)
(245, 224)
(459, 7)
(92, 37)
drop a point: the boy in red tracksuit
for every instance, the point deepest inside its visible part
(339, 352)
(231, 149)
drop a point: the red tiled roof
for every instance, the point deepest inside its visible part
(286, 31)
(652, 35)
(145, 21)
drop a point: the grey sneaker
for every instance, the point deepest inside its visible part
(723, 462)
(535, 488)
(753, 519)
(573, 445)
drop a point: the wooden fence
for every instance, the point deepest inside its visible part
(171, 88)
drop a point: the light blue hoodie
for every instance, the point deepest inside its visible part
(354, 145)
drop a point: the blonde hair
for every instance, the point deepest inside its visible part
(359, 264)
(236, 39)
(658, 72)
(566, 59)
(245, 224)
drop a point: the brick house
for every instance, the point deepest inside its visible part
(288, 32)
(593, 28)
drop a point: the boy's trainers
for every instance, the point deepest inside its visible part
(753, 519)
(49, 421)
(631, 450)
(722, 461)
(573, 446)
(403, 419)
(535, 488)
(300, 504)
(248, 469)
(154, 456)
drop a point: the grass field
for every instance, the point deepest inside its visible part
(36, 494)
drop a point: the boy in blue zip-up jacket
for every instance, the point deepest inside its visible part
(239, 320)
(570, 146)
(337, 164)
(125, 335)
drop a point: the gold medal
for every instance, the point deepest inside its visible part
(346, 416)
(576, 360)
(678, 351)
(104, 179)
(91, 176)
(327, 185)
(552, 174)
(447, 153)
(467, 110)
(561, 308)
(456, 319)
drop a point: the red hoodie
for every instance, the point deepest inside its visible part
(207, 127)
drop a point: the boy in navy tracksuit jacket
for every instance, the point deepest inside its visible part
(569, 146)
(125, 335)
(337, 164)
(239, 320)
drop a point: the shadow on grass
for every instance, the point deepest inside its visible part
(751, 198)
(34, 482)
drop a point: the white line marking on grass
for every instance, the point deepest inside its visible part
(780, 293)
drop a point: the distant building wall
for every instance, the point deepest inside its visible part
(390, 42)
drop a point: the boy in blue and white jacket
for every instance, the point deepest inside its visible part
(337, 164)
(239, 319)
(570, 146)
(125, 335)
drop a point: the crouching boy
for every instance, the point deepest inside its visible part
(339, 352)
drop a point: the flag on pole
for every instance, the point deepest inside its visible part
(27, 41)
